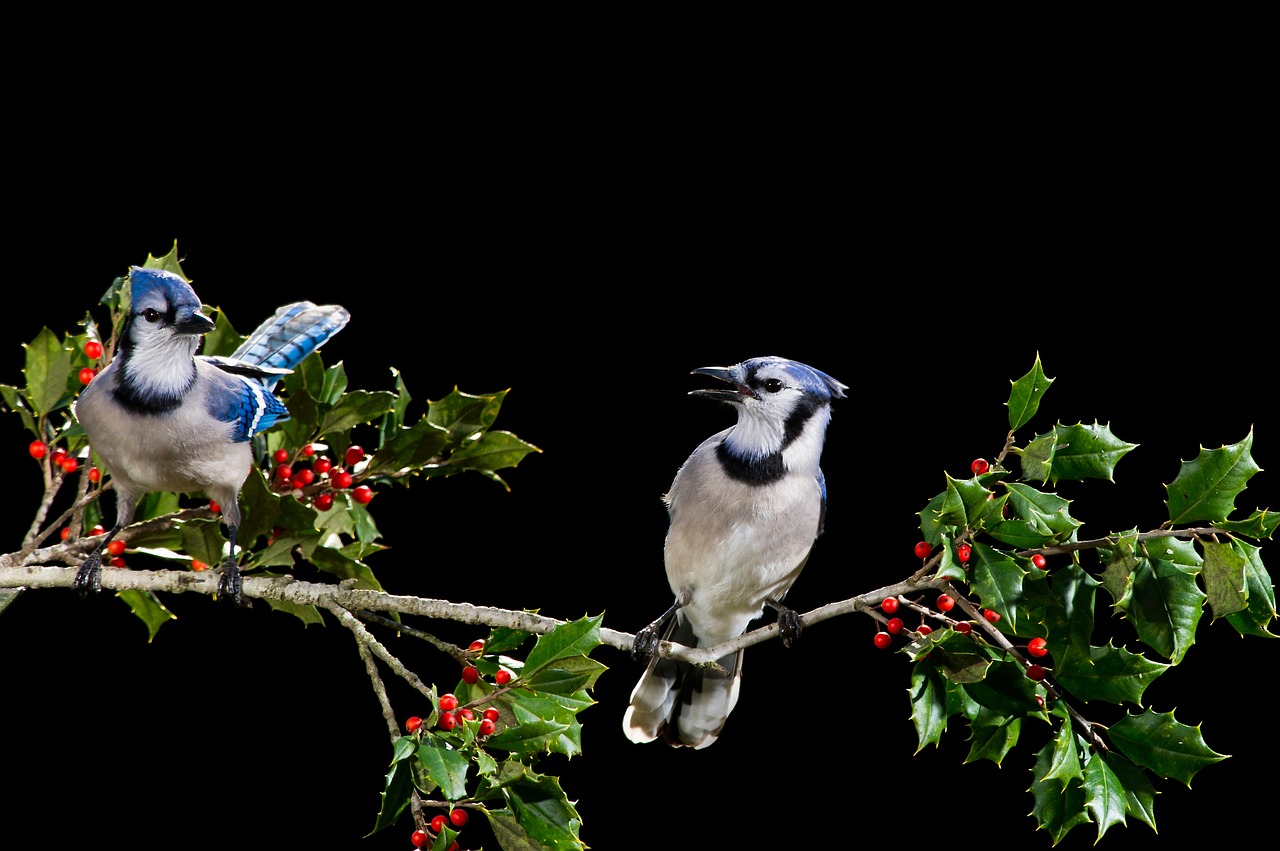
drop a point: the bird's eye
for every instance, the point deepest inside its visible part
(773, 385)
(151, 314)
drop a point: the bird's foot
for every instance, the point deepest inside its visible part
(789, 625)
(231, 584)
(646, 643)
(89, 576)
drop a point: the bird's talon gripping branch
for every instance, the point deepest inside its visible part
(231, 585)
(89, 576)
(789, 624)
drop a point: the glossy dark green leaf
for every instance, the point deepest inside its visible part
(1063, 762)
(446, 767)
(1206, 488)
(48, 369)
(1025, 395)
(997, 579)
(1087, 452)
(1224, 580)
(1005, 690)
(1156, 741)
(396, 792)
(1261, 524)
(575, 638)
(928, 704)
(1036, 458)
(545, 813)
(355, 408)
(1104, 794)
(992, 735)
(1258, 615)
(1108, 673)
(1139, 793)
(147, 607)
(1057, 809)
(1165, 606)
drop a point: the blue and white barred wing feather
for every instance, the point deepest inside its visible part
(279, 344)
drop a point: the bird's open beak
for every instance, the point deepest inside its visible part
(723, 373)
(194, 323)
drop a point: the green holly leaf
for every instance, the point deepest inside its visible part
(992, 735)
(544, 813)
(571, 639)
(1058, 807)
(486, 453)
(1087, 452)
(1005, 690)
(147, 607)
(1256, 617)
(529, 737)
(1109, 673)
(1139, 793)
(1224, 579)
(1037, 457)
(1104, 794)
(1261, 524)
(1165, 606)
(997, 579)
(1206, 488)
(1025, 395)
(1063, 764)
(1158, 742)
(48, 369)
(398, 788)
(1038, 519)
(446, 767)
(928, 696)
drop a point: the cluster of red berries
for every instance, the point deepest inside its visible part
(890, 605)
(295, 475)
(457, 817)
(60, 458)
(93, 351)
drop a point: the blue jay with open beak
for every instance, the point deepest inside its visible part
(162, 418)
(745, 510)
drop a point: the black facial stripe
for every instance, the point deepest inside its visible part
(794, 426)
(757, 473)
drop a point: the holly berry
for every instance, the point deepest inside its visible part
(459, 817)
(419, 838)
(991, 616)
(340, 479)
(883, 640)
(362, 494)
(466, 713)
(214, 507)
(1035, 672)
(69, 464)
(470, 674)
(308, 450)
(478, 644)
(491, 714)
(923, 549)
(58, 454)
(353, 456)
(979, 466)
(963, 627)
(924, 629)
(889, 605)
(945, 603)
(1038, 560)
(283, 472)
(302, 478)
(322, 465)
(116, 548)
(502, 677)
(197, 564)
(412, 723)
(87, 374)
(448, 721)
(963, 552)
(280, 456)
(323, 501)
(448, 702)
(37, 449)
(95, 474)
(93, 350)
(894, 625)
(438, 823)
(1037, 647)
(486, 727)
(65, 533)
(117, 562)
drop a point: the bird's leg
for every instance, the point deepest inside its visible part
(647, 639)
(231, 584)
(89, 576)
(789, 625)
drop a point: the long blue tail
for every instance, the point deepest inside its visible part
(295, 331)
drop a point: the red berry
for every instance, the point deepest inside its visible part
(923, 549)
(93, 350)
(502, 677)
(1038, 560)
(97, 530)
(412, 723)
(283, 472)
(58, 454)
(340, 479)
(478, 644)
(438, 823)
(894, 625)
(302, 478)
(116, 548)
(448, 720)
(322, 465)
(214, 507)
(38, 448)
(448, 702)
(419, 838)
(95, 474)
(323, 501)
(116, 562)
(1040, 700)
(70, 464)
(1035, 672)
(65, 533)
(963, 552)
(87, 374)
(486, 727)
(466, 713)
(280, 455)
(963, 627)
(197, 564)
(308, 451)
(883, 640)
(979, 466)
(1037, 647)
(470, 674)
(459, 817)
(491, 714)
(945, 603)
(889, 605)
(362, 494)
(924, 629)
(354, 455)
(990, 615)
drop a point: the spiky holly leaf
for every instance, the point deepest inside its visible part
(1058, 807)
(1165, 606)
(1206, 488)
(48, 369)
(1025, 395)
(1139, 793)
(1224, 580)
(1063, 764)
(398, 787)
(544, 813)
(1261, 524)
(1257, 616)
(1038, 519)
(992, 735)
(1087, 452)
(147, 607)
(571, 639)
(1005, 689)
(1104, 794)
(997, 579)
(964, 503)
(1156, 741)
(1037, 457)
(928, 704)
(1109, 673)
(445, 766)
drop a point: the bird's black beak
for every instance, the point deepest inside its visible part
(194, 323)
(724, 374)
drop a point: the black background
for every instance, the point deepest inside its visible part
(589, 270)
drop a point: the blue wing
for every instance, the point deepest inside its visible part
(295, 331)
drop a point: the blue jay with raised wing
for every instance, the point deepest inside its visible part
(745, 509)
(162, 418)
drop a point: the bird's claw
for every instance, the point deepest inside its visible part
(89, 576)
(645, 645)
(231, 585)
(789, 626)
